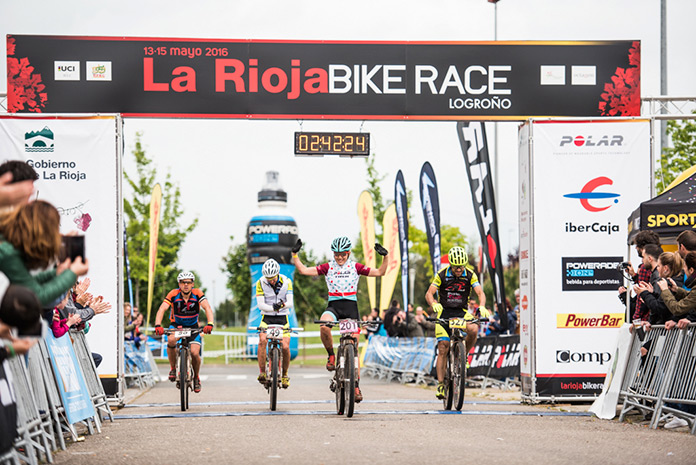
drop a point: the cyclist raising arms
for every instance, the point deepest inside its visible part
(186, 303)
(342, 275)
(453, 284)
(274, 298)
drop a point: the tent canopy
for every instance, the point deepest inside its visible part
(669, 213)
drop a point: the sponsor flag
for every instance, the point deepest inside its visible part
(366, 215)
(155, 207)
(472, 138)
(391, 243)
(125, 257)
(431, 213)
(402, 219)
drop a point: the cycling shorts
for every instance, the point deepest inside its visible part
(342, 309)
(443, 333)
(275, 320)
(195, 340)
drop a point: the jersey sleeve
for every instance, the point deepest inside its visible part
(474, 280)
(436, 280)
(259, 288)
(323, 269)
(170, 296)
(362, 269)
(198, 293)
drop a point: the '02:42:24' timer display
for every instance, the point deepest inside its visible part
(332, 143)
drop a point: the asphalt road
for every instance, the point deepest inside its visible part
(230, 422)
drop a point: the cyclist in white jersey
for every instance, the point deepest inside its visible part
(342, 275)
(274, 299)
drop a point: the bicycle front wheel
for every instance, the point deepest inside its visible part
(183, 378)
(339, 386)
(349, 374)
(274, 360)
(459, 375)
(447, 401)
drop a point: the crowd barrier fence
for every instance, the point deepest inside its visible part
(494, 360)
(44, 415)
(663, 376)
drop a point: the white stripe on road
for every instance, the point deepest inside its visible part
(236, 377)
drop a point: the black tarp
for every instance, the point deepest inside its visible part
(669, 213)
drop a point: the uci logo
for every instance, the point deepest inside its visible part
(588, 193)
(67, 68)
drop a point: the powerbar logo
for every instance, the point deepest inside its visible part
(589, 320)
(272, 229)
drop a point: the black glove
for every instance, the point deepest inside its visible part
(298, 245)
(380, 250)
(278, 305)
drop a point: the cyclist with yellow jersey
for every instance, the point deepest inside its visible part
(453, 284)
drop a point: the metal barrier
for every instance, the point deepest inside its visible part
(664, 373)
(41, 415)
(403, 359)
(139, 367)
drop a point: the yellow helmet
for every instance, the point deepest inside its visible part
(457, 256)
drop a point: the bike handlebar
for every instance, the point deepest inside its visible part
(331, 324)
(194, 331)
(256, 328)
(446, 320)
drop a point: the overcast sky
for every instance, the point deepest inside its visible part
(220, 164)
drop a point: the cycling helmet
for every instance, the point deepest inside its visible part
(270, 268)
(341, 244)
(185, 275)
(458, 257)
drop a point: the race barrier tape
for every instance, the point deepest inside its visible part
(412, 359)
(661, 382)
(54, 387)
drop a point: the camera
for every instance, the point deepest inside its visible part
(72, 247)
(624, 265)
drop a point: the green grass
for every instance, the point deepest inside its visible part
(311, 357)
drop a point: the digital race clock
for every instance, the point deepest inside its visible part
(332, 143)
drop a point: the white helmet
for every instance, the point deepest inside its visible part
(185, 275)
(270, 268)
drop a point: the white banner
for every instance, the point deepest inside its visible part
(78, 162)
(583, 181)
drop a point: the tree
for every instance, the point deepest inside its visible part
(238, 278)
(682, 156)
(171, 233)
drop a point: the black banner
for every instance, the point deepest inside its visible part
(431, 213)
(401, 202)
(472, 137)
(339, 80)
(591, 273)
(495, 357)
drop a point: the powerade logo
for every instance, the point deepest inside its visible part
(587, 193)
(590, 141)
(591, 273)
(566, 356)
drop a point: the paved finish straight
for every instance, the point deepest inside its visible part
(229, 422)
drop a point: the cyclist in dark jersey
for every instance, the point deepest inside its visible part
(453, 284)
(186, 303)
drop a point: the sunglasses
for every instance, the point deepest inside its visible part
(340, 254)
(185, 282)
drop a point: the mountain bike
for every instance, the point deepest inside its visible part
(274, 358)
(184, 369)
(345, 377)
(455, 369)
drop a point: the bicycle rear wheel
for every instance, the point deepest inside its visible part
(349, 375)
(183, 378)
(447, 401)
(274, 361)
(339, 384)
(459, 375)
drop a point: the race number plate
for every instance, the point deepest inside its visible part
(457, 323)
(182, 333)
(348, 326)
(274, 332)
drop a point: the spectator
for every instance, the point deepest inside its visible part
(20, 308)
(650, 252)
(30, 240)
(428, 327)
(59, 325)
(687, 243)
(517, 310)
(377, 326)
(669, 265)
(679, 301)
(136, 336)
(16, 184)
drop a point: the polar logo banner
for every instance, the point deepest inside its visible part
(591, 273)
